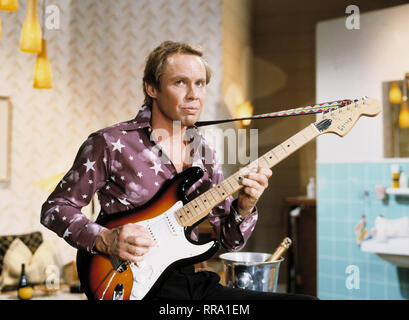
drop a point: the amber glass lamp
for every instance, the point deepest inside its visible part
(9, 5)
(42, 71)
(404, 114)
(30, 40)
(395, 94)
(244, 110)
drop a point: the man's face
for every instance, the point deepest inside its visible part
(182, 89)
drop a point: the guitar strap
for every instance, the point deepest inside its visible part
(311, 109)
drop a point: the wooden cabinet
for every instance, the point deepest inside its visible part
(300, 223)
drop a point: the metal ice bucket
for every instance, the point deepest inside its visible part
(248, 270)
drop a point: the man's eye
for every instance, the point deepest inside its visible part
(179, 82)
(200, 84)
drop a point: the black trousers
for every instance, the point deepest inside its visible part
(186, 284)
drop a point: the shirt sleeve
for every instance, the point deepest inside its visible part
(61, 212)
(232, 230)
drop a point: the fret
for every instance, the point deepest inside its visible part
(190, 210)
(202, 201)
(234, 182)
(207, 201)
(179, 216)
(262, 158)
(181, 213)
(196, 205)
(227, 187)
(229, 184)
(215, 195)
(220, 189)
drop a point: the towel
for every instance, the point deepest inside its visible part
(386, 228)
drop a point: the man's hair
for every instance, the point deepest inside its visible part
(156, 63)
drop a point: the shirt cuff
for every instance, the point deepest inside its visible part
(238, 218)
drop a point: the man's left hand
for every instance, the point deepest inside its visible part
(254, 185)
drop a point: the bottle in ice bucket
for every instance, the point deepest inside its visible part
(283, 247)
(24, 290)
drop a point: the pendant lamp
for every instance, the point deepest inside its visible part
(395, 94)
(42, 71)
(30, 40)
(244, 110)
(9, 5)
(404, 115)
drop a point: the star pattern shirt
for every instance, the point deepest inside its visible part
(126, 166)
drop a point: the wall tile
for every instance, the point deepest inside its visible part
(341, 203)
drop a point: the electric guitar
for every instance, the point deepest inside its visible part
(169, 217)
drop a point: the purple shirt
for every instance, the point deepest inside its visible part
(125, 165)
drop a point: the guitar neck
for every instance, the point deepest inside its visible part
(200, 207)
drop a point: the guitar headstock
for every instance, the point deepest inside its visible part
(342, 120)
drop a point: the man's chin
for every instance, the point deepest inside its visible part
(188, 121)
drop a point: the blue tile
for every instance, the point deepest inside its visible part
(340, 206)
(376, 291)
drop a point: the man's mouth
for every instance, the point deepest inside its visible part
(190, 109)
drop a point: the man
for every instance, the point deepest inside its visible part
(126, 164)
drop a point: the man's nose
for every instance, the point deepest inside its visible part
(192, 92)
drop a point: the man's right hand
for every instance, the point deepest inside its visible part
(129, 242)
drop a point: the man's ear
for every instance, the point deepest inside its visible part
(151, 90)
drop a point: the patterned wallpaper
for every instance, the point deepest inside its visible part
(97, 59)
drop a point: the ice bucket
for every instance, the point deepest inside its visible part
(248, 270)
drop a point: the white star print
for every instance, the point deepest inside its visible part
(156, 167)
(117, 146)
(90, 181)
(123, 201)
(124, 132)
(156, 183)
(108, 187)
(140, 140)
(140, 174)
(122, 178)
(84, 196)
(130, 158)
(66, 233)
(90, 165)
(64, 218)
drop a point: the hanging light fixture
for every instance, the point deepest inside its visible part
(244, 110)
(395, 94)
(404, 114)
(42, 71)
(30, 40)
(9, 5)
